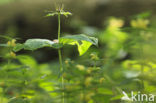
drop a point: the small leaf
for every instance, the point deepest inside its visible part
(5, 37)
(82, 41)
(52, 14)
(27, 60)
(105, 91)
(66, 14)
(18, 47)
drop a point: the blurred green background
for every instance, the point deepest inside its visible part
(25, 18)
(123, 61)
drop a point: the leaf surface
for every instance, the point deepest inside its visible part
(34, 44)
(82, 41)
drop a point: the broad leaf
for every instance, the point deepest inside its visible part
(82, 41)
(33, 44)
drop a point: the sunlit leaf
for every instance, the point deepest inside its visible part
(105, 91)
(66, 14)
(27, 60)
(82, 41)
(52, 14)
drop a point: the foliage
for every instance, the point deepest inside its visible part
(82, 41)
(121, 62)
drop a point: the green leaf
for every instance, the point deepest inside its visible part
(18, 47)
(5, 37)
(34, 44)
(118, 97)
(52, 14)
(82, 41)
(66, 14)
(105, 91)
(3, 45)
(27, 60)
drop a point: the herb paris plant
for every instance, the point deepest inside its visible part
(82, 41)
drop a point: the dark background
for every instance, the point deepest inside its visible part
(26, 18)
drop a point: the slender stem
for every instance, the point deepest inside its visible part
(60, 56)
(59, 25)
(61, 70)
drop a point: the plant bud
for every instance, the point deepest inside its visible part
(12, 55)
(140, 23)
(1, 84)
(88, 81)
(94, 56)
(56, 40)
(64, 75)
(80, 67)
(101, 80)
(89, 70)
(13, 42)
(88, 96)
(9, 43)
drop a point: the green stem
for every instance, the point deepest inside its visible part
(60, 56)
(59, 25)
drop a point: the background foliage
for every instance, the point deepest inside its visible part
(123, 61)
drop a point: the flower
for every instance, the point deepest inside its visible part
(80, 67)
(140, 23)
(12, 43)
(12, 55)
